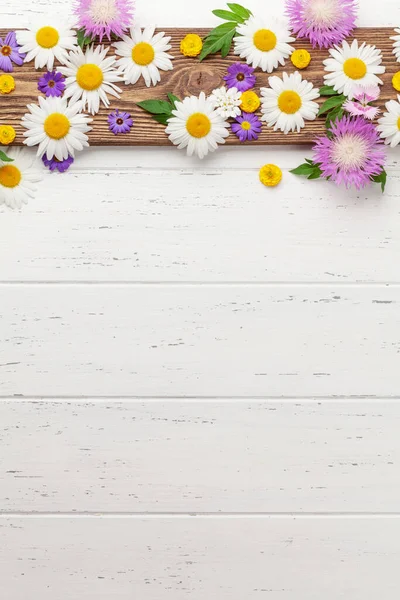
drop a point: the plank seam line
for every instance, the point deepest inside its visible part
(199, 515)
(217, 284)
(148, 399)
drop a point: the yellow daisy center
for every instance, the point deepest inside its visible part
(47, 37)
(289, 102)
(198, 125)
(6, 50)
(143, 54)
(265, 40)
(398, 123)
(10, 176)
(57, 126)
(89, 77)
(246, 125)
(355, 68)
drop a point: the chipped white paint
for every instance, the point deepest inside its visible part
(200, 457)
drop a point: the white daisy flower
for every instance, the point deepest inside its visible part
(389, 123)
(227, 102)
(17, 178)
(352, 66)
(263, 43)
(47, 41)
(57, 127)
(90, 77)
(197, 126)
(396, 45)
(288, 102)
(144, 54)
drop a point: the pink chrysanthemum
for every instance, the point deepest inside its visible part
(360, 107)
(104, 17)
(352, 155)
(323, 22)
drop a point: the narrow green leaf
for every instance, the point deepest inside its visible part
(240, 10)
(156, 107)
(221, 29)
(316, 174)
(335, 113)
(82, 38)
(163, 119)
(331, 103)
(381, 178)
(173, 99)
(216, 44)
(328, 90)
(227, 15)
(5, 158)
(226, 46)
(304, 169)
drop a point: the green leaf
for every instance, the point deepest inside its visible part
(331, 103)
(328, 90)
(156, 107)
(381, 178)
(5, 158)
(335, 113)
(82, 38)
(173, 99)
(241, 11)
(215, 44)
(316, 173)
(163, 119)
(226, 46)
(221, 29)
(304, 169)
(227, 15)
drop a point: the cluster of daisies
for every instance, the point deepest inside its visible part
(80, 74)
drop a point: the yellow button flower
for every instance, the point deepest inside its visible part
(301, 58)
(7, 134)
(7, 84)
(191, 45)
(250, 102)
(396, 81)
(270, 175)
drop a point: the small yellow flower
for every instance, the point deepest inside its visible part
(7, 134)
(396, 81)
(191, 45)
(7, 84)
(301, 58)
(250, 102)
(270, 175)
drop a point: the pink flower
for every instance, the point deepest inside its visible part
(359, 107)
(104, 17)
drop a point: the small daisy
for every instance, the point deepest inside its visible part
(226, 102)
(360, 107)
(263, 43)
(17, 178)
(144, 54)
(352, 154)
(47, 42)
(120, 122)
(389, 123)
(58, 128)
(52, 84)
(247, 127)
(351, 66)
(91, 77)
(10, 53)
(323, 22)
(240, 76)
(396, 45)
(197, 126)
(104, 17)
(288, 102)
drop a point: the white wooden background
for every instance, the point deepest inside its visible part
(199, 377)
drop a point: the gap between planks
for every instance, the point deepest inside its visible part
(361, 399)
(202, 516)
(194, 284)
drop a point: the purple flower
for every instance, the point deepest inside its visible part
(58, 165)
(353, 155)
(120, 122)
(9, 53)
(323, 22)
(247, 127)
(104, 17)
(52, 84)
(360, 105)
(241, 77)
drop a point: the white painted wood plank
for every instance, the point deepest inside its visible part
(175, 13)
(197, 558)
(200, 226)
(199, 340)
(200, 457)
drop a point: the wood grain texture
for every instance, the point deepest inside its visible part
(197, 558)
(207, 340)
(122, 223)
(200, 456)
(190, 77)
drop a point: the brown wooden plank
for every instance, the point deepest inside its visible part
(190, 77)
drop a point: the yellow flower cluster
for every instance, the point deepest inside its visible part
(7, 84)
(250, 102)
(7, 134)
(191, 45)
(301, 58)
(396, 81)
(270, 175)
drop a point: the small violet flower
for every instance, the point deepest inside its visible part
(241, 77)
(120, 122)
(58, 165)
(247, 127)
(9, 53)
(52, 84)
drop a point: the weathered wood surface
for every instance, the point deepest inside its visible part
(191, 77)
